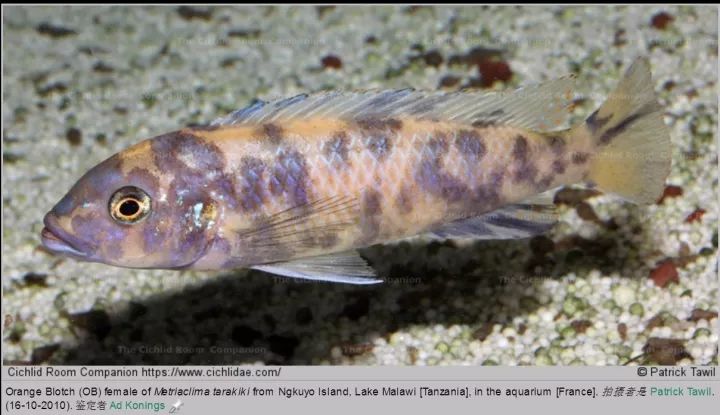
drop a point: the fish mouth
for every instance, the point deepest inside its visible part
(57, 241)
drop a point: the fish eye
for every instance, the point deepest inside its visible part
(129, 205)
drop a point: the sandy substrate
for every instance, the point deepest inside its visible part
(613, 283)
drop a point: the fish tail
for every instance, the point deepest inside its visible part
(632, 154)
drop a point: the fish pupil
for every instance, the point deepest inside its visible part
(129, 207)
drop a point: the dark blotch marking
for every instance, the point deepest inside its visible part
(379, 145)
(483, 123)
(379, 124)
(327, 240)
(189, 242)
(155, 231)
(595, 123)
(471, 145)
(437, 146)
(580, 157)
(336, 149)
(378, 131)
(404, 200)
(169, 148)
(252, 187)
(371, 203)
(546, 180)
(194, 241)
(556, 143)
(273, 132)
(426, 105)
(224, 185)
(520, 149)
(559, 166)
(526, 170)
(431, 177)
(613, 132)
(290, 177)
(486, 197)
(203, 180)
(370, 217)
(487, 119)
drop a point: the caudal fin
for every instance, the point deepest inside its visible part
(634, 153)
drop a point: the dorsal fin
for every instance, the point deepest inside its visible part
(541, 107)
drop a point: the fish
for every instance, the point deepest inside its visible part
(296, 186)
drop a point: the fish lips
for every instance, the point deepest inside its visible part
(59, 241)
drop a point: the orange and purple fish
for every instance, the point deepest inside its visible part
(295, 186)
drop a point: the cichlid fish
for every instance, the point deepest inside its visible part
(295, 186)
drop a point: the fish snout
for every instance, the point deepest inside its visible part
(59, 241)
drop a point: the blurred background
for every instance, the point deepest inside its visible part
(612, 284)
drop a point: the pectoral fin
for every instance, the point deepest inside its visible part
(346, 267)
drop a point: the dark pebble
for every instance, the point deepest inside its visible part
(332, 62)
(580, 326)
(54, 31)
(449, 81)
(433, 58)
(661, 20)
(665, 273)
(189, 13)
(10, 157)
(665, 351)
(699, 314)
(572, 197)
(102, 67)
(52, 88)
(35, 279)
(74, 136)
(622, 331)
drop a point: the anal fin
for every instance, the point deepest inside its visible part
(511, 222)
